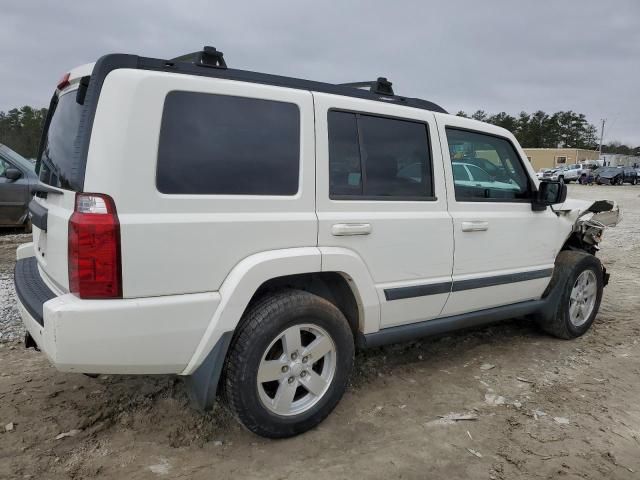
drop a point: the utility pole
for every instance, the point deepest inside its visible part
(601, 137)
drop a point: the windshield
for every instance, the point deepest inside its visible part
(56, 164)
(15, 158)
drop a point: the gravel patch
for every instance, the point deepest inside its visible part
(11, 327)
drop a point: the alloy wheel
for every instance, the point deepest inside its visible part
(583, 298)
(296, 369)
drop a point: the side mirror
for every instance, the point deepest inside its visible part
(12, 174)
(549, 193)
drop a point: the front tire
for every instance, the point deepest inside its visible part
(579, 276)
(288, 364)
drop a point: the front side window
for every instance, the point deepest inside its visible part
(225, 145)
(486, 168)
(381, 158)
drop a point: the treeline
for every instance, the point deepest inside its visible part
(561, 129)
(20, 129)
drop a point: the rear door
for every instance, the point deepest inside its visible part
(381, 194)
(56, 168)
(504, 251)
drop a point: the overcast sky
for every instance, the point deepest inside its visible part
(494, 55)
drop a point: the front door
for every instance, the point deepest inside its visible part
(381, 194)
(504, 251)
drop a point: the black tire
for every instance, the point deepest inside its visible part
(568, 266)
(263, 323)
(28, 226)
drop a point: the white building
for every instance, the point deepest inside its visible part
(618, 159)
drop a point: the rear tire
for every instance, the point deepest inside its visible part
(579, 276)
(28, 226)
(288, 364)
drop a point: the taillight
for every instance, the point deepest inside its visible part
(64, 81)
(95, 269)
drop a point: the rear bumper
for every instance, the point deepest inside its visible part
(143, 335)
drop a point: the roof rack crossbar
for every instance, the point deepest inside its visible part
(381, 86)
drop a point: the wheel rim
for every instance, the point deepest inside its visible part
(583, 298)
(296, 369)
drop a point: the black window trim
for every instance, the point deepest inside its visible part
(530, 185)
(297, 193)
(359, 198)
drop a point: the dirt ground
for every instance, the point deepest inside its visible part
(542, 408)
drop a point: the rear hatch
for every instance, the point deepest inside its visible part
(60, 165)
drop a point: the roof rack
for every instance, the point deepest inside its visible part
(207, 57)
(379, 90)
(381, 86)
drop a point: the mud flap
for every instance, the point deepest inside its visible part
(203, 383)
(551, 297)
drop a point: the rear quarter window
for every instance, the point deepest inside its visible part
(225, 145)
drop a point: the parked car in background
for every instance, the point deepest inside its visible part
(630, 175)
(615, 175)
(542, 171)
(569, 173)
(469, 175)
(16, 177)
(550, 174)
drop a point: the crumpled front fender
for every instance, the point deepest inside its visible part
(590, 218)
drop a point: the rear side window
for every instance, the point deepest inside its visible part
(378, 158)
(225, 145)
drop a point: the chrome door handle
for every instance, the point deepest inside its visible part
(346, 229)
(475, 226)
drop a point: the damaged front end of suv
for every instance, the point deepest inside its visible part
(589, 220)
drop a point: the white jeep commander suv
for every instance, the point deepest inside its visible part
(247, 231)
